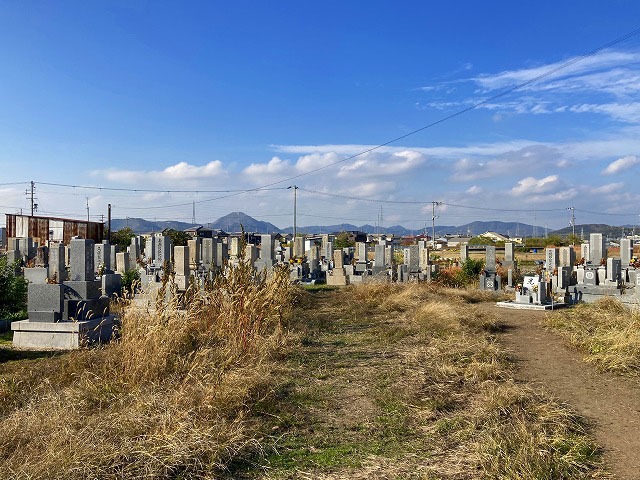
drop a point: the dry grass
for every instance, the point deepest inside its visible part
(407, 381)
(606, 331)
(168, 400)
(384, 381)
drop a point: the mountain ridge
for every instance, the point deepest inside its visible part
(234, 221)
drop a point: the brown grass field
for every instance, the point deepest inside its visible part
(258, 379)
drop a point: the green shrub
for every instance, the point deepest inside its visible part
(130, 281)
(13, 290)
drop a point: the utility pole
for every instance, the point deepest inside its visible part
(295, 215)
(573, 220)
(109, 221)
(433, 222)
(87, 208)
(30, 194)
(193, 216)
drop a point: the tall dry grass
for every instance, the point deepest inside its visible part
(166, 400)
(606, 331)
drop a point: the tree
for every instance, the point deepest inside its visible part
(485, 241)
(178, 238)
(122, 238)
(13, 291)
(343, 240)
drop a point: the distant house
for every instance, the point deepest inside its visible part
(457, 241)
(199, 232)
(496, 237)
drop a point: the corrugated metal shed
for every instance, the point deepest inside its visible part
(50, 228)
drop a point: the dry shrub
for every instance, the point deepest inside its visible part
(168, 399)
(606, 331)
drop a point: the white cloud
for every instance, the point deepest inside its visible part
(273, 167)
(474, 190)
(178, 172)
(626, 112)
(608, 188)
(530, 185)
(581, 74)
(621, 164)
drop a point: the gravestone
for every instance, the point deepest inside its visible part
(181, 267)
(57, 269)
(490, 259)
(379, 258)
(361, 252)
(150, 249)
(564, 277)
(614, 269)
(250, 253)
(567, 257)
(580, 275)
(464, 253)
(552, 259)
(181, 260)
(626, 251)
(403, 273)
(81, 260)
(36, 274)
(122, 262)
(412, 258)
(42, 257)
(338, 259)
(102, 257)
(163, 250)
(266, 249)
(208, 253)
(510, 278)
(597, 248)
(194, 253)
(509, 255)
(234, 248)
(298, 247)
(113, 250)
(221, 253)
(584, 252)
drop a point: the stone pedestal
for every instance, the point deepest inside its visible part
(62, 335)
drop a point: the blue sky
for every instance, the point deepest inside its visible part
(220, 95)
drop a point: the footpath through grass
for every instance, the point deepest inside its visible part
(407, 382)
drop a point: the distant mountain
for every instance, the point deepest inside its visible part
(234, 221)
(588, 228)
(139, 225)
(513, 229)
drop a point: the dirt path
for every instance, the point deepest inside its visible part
(611, 402)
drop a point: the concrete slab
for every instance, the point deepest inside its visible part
(62, 335)
(530, 306)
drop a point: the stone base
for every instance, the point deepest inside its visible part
(337, 280)
(530, 306)
(62, 335)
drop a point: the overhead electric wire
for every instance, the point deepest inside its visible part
(377, 147)
(425, 202)
(148, 190)
(470, 107)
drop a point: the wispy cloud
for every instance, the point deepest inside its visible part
(621, 165)
(181, 171)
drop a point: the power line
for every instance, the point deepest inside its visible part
(413, 132)
(470, 107)
(148, 190)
